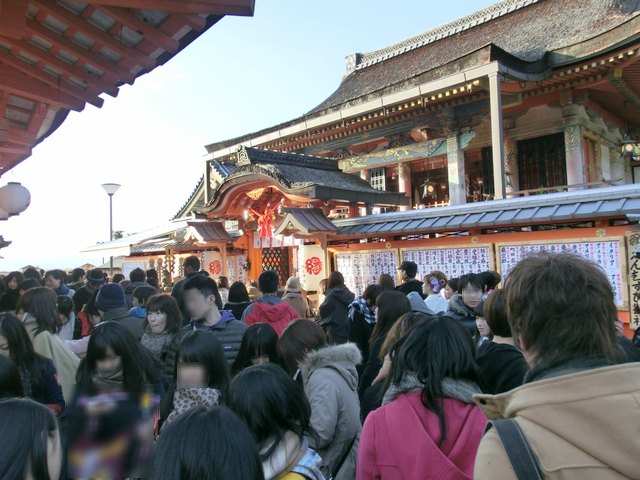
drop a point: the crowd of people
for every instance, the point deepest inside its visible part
(436, 377)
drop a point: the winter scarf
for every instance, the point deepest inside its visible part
(155, 342)
(462, 390)
(359, 305)
(291, 455)
(186, 398)
(108, 378)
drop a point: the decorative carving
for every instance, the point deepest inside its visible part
(571, 139)
(601, 232)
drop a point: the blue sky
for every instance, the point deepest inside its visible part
(244, 74)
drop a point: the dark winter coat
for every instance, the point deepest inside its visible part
(228, 330)
(334, 312)
(237, 308)
(502, 366)
(411, 285)
(123, 317)
(462, 313)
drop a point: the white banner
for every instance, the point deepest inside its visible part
(311, 267)
(212, 264)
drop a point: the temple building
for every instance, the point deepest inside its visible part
(508, 131)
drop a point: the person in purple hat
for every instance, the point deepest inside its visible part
(112, 305)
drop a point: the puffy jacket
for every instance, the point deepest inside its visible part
(463, 314)
(580, 425)
(278, 316)
(334, 311)
(330, 382)
(228, 330)
(394, 434)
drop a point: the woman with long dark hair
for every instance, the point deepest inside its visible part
(390, 306)
(207, 443)
(9, 299)
(278, 415)
(430, 399)
(201, 376)
(258, 346)
(10, 381)
(115, 360)
(38, 375)
(111, 418)
(238, 299)
(30, 444)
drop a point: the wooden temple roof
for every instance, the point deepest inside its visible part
(59, 55)
(532, 36)
(315, 178)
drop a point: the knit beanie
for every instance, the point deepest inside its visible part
(110, 296)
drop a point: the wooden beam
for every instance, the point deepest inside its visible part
(35, 72)
(209, 7)
(21, 137)
(112, 72)
(33, 89)
(94, 84)
(149, 32)
(15, 148)
(13, 15)
(96, 34)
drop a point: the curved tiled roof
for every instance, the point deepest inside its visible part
(547, 32)
(528, 30)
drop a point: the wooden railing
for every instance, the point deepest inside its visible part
(559, 188)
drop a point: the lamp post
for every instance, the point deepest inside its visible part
(111, 189)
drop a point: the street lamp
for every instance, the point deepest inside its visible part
(111, 189)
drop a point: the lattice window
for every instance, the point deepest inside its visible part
(378, 178)
(542, 162)
(276, 259)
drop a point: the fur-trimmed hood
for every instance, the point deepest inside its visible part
(341, 358)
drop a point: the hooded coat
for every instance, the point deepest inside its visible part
(330, 382)
(278, 316)
(580, 425)
(395, 433)
(334, 312)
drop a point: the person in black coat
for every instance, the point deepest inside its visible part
(502, 365)
(362, 321)
(334, 310)
(408, 271)
(391, 306)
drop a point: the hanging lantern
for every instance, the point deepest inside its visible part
(14, 198)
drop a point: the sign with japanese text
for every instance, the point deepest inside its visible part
(607, 253)
(453, 262)
(360, 269)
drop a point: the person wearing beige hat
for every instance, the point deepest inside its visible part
(296, 297)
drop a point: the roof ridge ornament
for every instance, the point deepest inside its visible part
(358, 61)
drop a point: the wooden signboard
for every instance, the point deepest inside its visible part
(607, 252)
(633, 239)
(365, 267)
(452, 261)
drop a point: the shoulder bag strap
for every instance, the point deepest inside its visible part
(523, 460)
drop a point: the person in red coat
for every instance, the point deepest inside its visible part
(429, 426)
